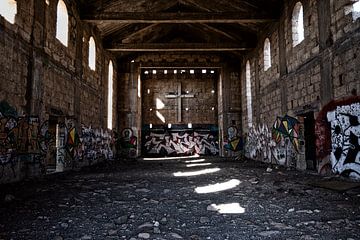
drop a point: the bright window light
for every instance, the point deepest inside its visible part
(139, 86)
(110, 96)
(192, 71)
(154, 71)
(248, 95)
(218, 187)
(298, 24)
(198, 164)
(175, 71)
(160, 116)
(165, 71)
(169, 125)
(229, 208)
(189, 124)
(150, 125)
(146, 72)
(62, 23)
(196, 173)
(203, 71)
(267, 54)
(8, 10)
(92, 54)
(159, 104)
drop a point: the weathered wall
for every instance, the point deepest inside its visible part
(304, 78)
(44, 79)
(225, 114)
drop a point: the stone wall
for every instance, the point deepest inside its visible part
(228, 105)
(304, 78)
(41, 77)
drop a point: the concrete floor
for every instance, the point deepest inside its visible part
(145, 200)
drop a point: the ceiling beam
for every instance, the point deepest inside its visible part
(173, 47)
(166, 17)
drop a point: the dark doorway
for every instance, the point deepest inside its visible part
(309, 135)
(51, 151)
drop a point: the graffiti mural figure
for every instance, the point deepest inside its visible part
(233, 141)
(128, 143)
(345, 137)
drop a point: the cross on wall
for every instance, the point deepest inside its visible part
(179, 96)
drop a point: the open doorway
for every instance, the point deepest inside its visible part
(309, 136)
(50, 158)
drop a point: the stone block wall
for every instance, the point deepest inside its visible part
(323, 67)
(51, 82)
(228, 86)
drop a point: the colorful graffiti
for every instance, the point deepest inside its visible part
(26, 139)
(278, 146)
(345, 138)
(128, 143)
(19, 137)
(287, 127)
(181, 142)
(95, 144)
(233, 140)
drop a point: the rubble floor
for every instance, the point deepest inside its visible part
(209, 198)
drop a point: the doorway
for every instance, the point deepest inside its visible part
(309, 136)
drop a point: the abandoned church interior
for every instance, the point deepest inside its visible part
(88, 82)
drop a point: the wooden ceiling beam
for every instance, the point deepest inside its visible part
(174, 18)
(174, 47)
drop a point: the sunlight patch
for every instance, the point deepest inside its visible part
(198, 164)
(195, 161)
(170, 158)
(218, 187)
(228, 208)
(196, 173)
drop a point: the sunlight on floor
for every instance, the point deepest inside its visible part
(218, 187)
(228, 208)
(171, 158)
(195, 161)
(196, 173)
(198, 164)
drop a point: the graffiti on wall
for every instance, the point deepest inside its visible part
(181, 143)
(286, 127)
(345, 138)
(233, 140)
(280, 145)
(27, 139)
(20, 137)
(95, 144)
(128, 143)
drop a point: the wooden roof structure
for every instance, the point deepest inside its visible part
(180, 25)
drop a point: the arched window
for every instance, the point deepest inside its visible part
(298, 24)
(110, 96)
(248, 95)
(267, 54)
(8, 10)
(92, 54)
(62, 23)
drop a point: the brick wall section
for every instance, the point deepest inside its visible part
(228, 88)
(55, 78)
(41, 77)
(303, 62)
(324, 66)
(199, 108)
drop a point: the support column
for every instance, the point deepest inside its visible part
(325, 41)
(282, 66)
